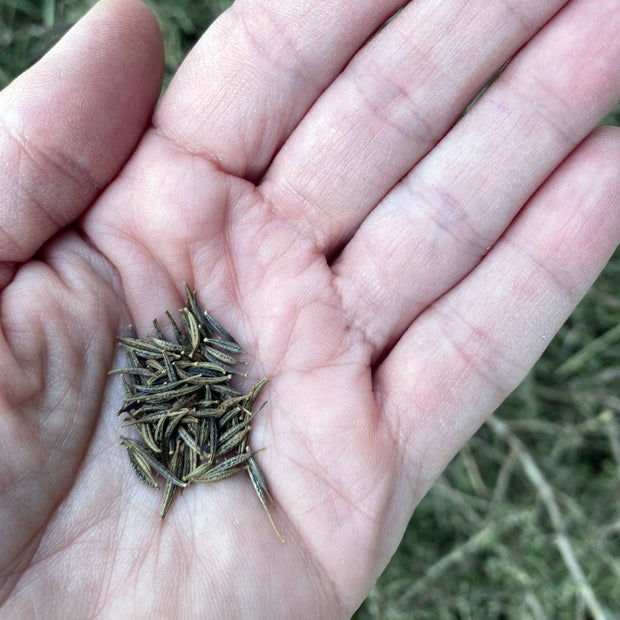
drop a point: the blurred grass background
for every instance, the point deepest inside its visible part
(525, 522)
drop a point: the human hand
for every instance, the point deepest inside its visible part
(392, 316)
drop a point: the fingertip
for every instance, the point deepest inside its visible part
(592, 169)
(603, 144)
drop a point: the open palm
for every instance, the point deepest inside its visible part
(393, 273)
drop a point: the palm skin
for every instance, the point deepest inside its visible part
(391, 317)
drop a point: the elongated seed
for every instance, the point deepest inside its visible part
(255, 390)
(136, 345)
(229, 416)
(169, 491)
(216, 476)
(213, 431)
(225, 345)
(206, 380)
(198, 471)
(132, 358)
(190, 441)
(159, 388)
(178, 334)
(235, 428)
(193, 330)
(215, 326)
(256, 472)
(208, 412)
(173, 348)
(159, 333)
(202, 470)
(159, 430)
(143, 372)
(176, 466)
(145, 453)
(227, 392)
(192, 302)
(220, 356)
(147, 434)
(173, 425)
(233, 441)
(200, 365)
(161, 397)
(225, 367)
(170, 369)
(258, 482)
(140, 467)
(127, 388)
(209, 325)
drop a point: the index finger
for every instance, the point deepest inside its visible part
(255, 73)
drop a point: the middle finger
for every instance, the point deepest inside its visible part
(391, 105)
(445, 215)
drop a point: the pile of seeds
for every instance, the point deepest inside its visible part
(193, 424)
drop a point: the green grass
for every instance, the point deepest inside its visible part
(525, 522)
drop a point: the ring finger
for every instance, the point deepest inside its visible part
(438, 223)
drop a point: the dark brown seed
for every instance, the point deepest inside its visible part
(158, 332)
(234, 429)
(207, 473)
(225, 420)
(176, 350)
(140, 467)
(258, 482)
(137, 346)
(255, 391)
(160, 388)
(143, 372)
(178, 334)
(162, 397)
(213, 432)
(215, 326)
(205, 380)
(146, 454)
(225, 345)
(170, 369)
(193, 330)
(257, 474)
(220, 356)
(233, 441)
(190, 441)
(176, 467)
(226, 391)
(225, 367)
(172, 427)
(147, 434)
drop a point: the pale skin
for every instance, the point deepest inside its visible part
(395, 275)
